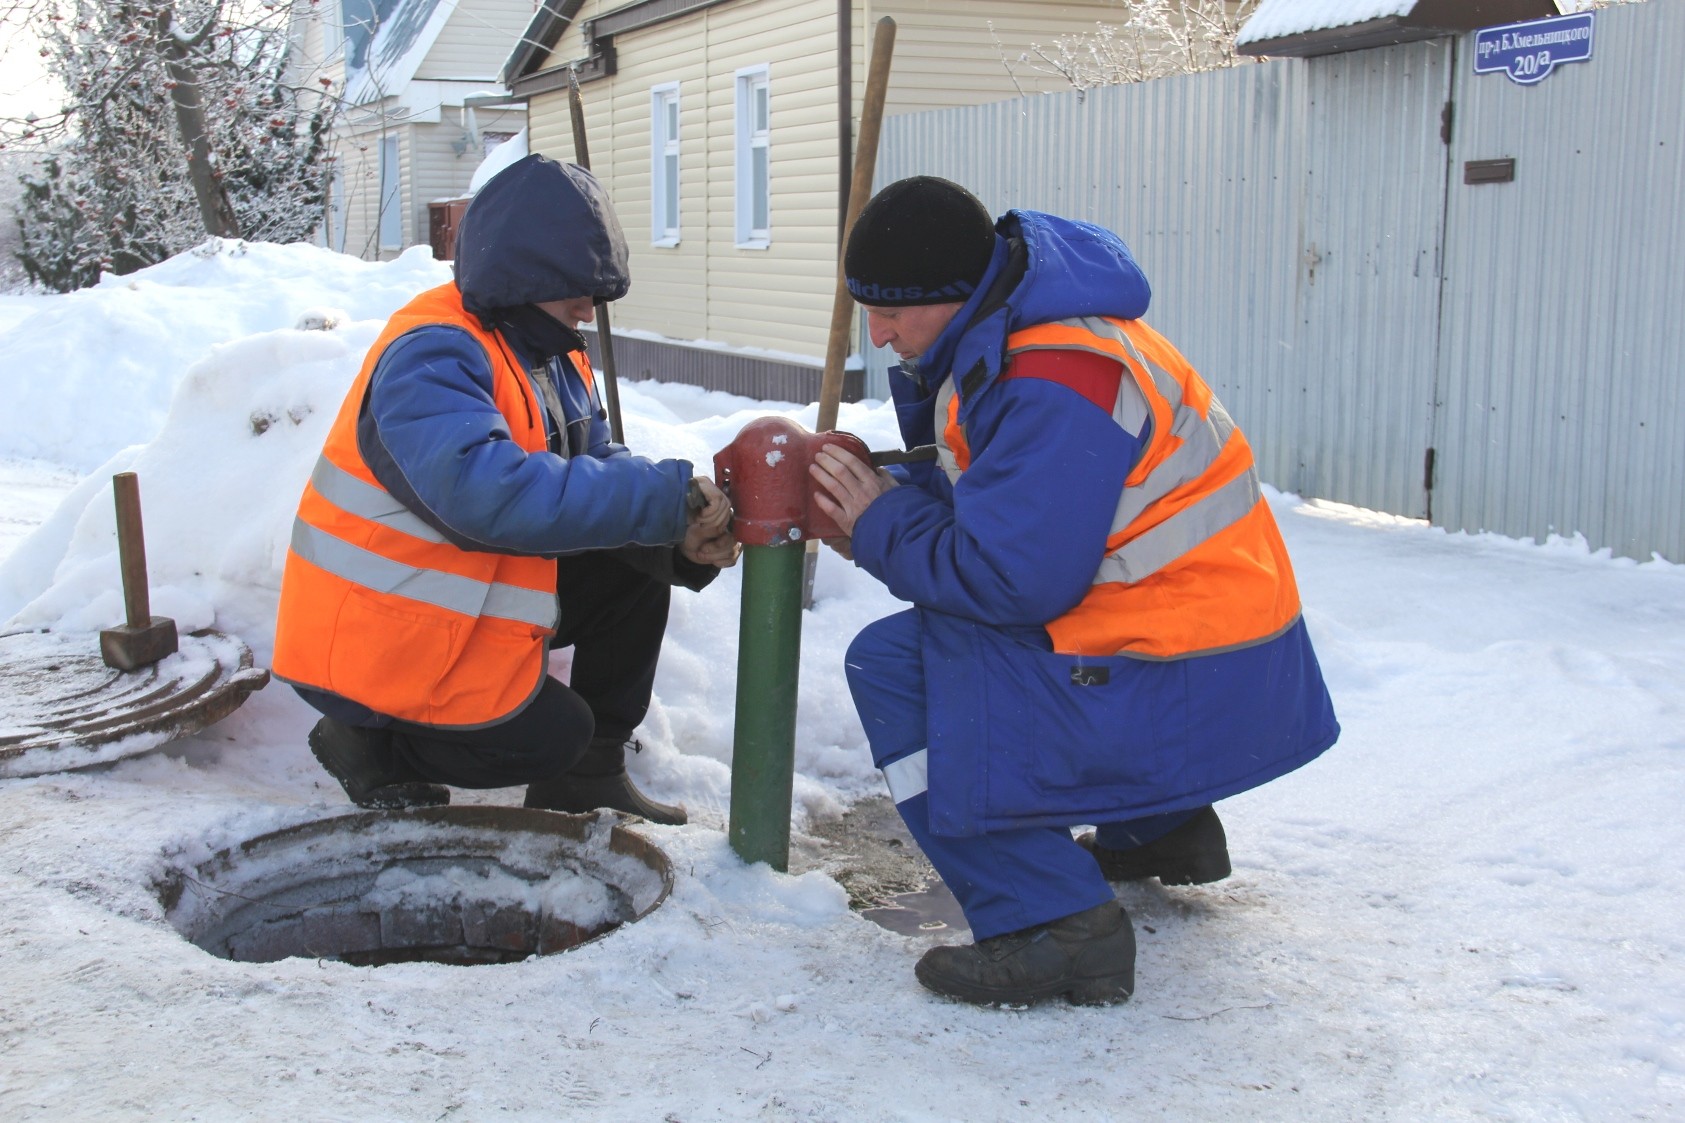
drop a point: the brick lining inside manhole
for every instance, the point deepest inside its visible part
(456, 885)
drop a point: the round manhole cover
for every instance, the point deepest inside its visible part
(456, 885)
(61, 707)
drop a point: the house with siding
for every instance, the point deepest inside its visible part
(422, 107)
(724, 131)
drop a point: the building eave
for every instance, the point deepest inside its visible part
(1428, 19)
(540, 38)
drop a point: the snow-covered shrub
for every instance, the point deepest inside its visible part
(1152, 39)
(180, 120)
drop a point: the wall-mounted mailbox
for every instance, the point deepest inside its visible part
(1489, 171)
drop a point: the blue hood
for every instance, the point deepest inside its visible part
(539, 231)
(1069, 268)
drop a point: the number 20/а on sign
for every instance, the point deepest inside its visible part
(1528, 52)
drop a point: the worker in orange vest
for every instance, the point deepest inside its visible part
(1106, 629)
(469, 513)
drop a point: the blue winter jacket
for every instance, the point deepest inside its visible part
(1013, 742)
(432, 435)
(430, 431)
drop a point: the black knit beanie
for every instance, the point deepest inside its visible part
(922, 240)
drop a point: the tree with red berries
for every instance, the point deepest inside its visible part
(180, 120)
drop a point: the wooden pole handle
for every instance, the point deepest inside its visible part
(865, 167)
(576, 110)
(605, 333)
(131, 549)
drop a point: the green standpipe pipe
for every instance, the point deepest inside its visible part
(763, 754)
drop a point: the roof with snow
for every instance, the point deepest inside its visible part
(385, 41)
(1322, 27)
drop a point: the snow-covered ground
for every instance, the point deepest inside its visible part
(31, 489)
(1468, 908)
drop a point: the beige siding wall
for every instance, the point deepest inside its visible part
(313, 55)
(477, 40)
(778, 297)
(549, 128)
(435, 171)
(947, 54)
(359, 170)
(572, 43)
(430, 170)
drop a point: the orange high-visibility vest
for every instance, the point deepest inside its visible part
(378, 607)
(1194, 561)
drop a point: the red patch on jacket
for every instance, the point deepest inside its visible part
(1095, 377)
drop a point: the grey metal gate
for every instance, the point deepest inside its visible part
(1373, 322)
(1288, 217)
(1565, 297)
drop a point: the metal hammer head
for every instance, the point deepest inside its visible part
(133, 646)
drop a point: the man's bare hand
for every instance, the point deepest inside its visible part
(847, 486)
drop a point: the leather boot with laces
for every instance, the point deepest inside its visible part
(1089, 957)
(599, 779)
(1194, 853)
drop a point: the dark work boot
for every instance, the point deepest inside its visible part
(371, 774)
(599, 779)
(1194, 853)
(1089, 957)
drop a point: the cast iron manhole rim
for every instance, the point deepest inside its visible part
(208, 904)
(88, 715)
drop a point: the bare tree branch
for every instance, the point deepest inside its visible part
(1155, 39)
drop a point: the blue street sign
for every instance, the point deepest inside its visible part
(1527, 52)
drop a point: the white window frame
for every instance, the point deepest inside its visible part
(751, 81)
(390, 219)
(664, 167)
(337, 211)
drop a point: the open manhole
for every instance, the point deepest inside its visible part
(456, 885)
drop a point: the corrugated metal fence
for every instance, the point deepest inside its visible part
(1495, 356)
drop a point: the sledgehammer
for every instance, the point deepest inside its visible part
(146, 638)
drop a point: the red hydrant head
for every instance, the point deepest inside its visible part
(765, 471)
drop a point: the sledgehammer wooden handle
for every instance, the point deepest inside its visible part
(145, 639)
(131, 549)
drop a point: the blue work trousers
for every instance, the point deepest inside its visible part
(1004, 880)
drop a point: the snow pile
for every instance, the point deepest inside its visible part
(509, 152)
(92, 371)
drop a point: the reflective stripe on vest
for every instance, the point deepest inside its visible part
(1192, 499)
(1202, 440)
(381, 608)
(442, 590)
(369, 569)
(376, 504)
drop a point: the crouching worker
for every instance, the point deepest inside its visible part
(1105, 627)
(469, 513)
